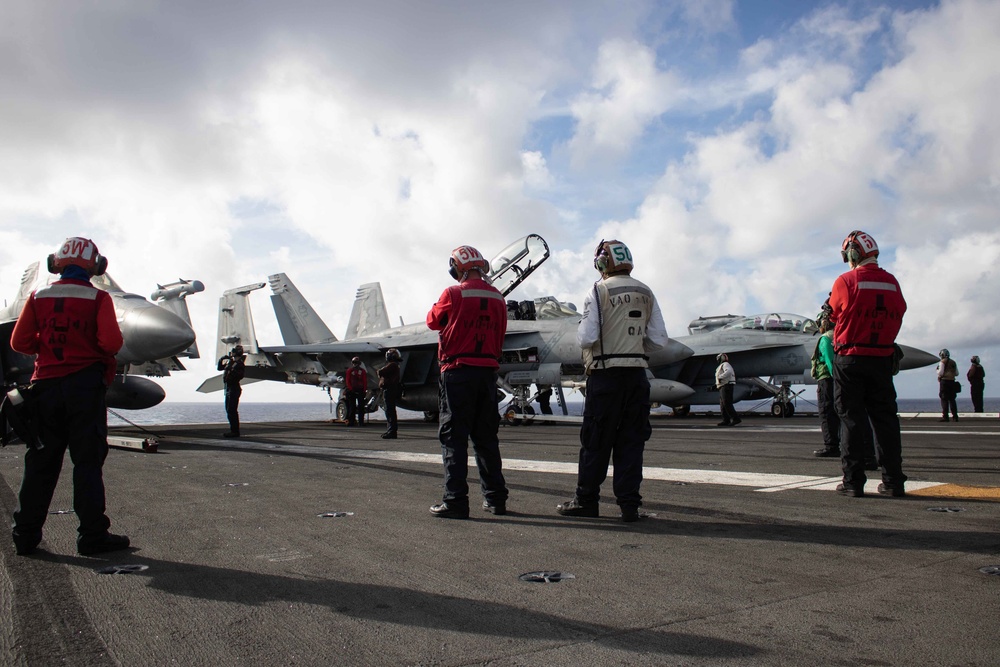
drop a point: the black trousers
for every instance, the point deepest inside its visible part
(391, 397)
(864, 392)
(468, 409)
(232, 395)
(729, 415)
(948, 396)
(355, 407)
(72, 415)
(828, 420)
(615, 427)
(976, 392)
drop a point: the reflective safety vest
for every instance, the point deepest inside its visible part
(819, 369)
(70, 325)
(868, 309)
(472, 320)
(356, 379)
(624, 306)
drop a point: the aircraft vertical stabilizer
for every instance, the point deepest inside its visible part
(236, 321)
(299, 323)
(368, 315)
(28, 280)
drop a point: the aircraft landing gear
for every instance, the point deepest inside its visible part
(781, 410)
(682, 410)
(516, 415)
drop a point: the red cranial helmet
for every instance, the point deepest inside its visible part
(465, 258)
(858, 246)
(612, 257)
(78, 251)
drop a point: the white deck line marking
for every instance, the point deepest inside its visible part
(764, 482)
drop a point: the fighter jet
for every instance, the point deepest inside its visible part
(540, 347)
(777, 346)
(157, 335)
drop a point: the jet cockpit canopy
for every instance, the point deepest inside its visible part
(774, 322)
(517, 261)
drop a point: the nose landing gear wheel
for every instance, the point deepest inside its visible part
(782, 409)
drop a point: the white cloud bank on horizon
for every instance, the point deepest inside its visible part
(226, 142)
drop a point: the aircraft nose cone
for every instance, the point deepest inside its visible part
(155, 333)
(916, 358)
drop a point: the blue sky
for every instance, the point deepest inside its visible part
(731, 144)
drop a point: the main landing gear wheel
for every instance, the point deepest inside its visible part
(516, 416)
(342, 411)
(682, 411)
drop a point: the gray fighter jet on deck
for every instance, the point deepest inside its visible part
(157, 335)
(540, 347)
(777, 346)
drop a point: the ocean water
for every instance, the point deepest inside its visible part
(214, 413)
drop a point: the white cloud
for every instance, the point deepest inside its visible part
(627, 92)
(349, 145)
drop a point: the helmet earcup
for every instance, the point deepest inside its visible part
(52, 264)
(100, 266)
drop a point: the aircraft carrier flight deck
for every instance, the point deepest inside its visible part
(311, 544)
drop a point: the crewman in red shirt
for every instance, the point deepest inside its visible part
(867, 311)
(472, 320)
(72, 329)
(356, 387)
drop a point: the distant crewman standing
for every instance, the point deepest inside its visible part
(725, 380)
(471, 318)
(233, 367)
(947, 371)
(355, 389)
(977, 383)
(621, 324)
(822, 372)
(392, 389)
(72, 329)
(867, 311)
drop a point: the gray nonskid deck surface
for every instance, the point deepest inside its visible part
(311, 544)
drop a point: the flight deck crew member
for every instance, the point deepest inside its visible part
(822, 372)
(472, 320)
(867, 310)
(233, 367)
(947, 371)
(621, 324)
(72, 329)
(977, 383)
(725, 380)
(356, 387)
(392, 389)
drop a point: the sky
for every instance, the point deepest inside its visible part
(731, 144)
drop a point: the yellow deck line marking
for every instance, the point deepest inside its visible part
(958, 492)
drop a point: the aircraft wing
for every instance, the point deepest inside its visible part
(338, 347)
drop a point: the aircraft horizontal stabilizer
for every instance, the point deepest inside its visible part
(215, 383)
